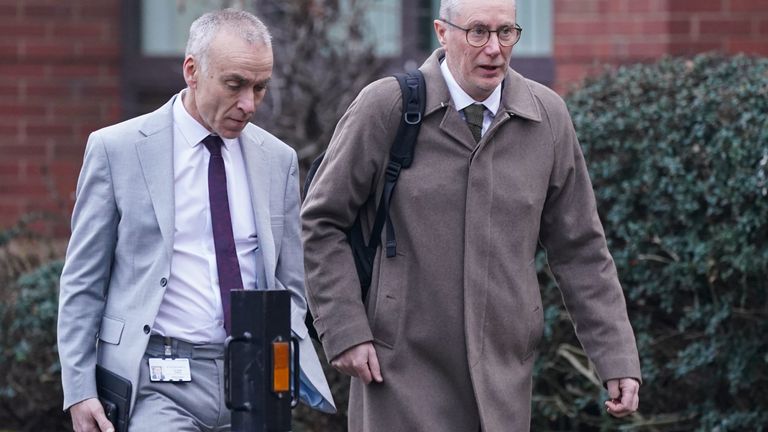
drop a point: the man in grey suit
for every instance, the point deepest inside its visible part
(173, 209)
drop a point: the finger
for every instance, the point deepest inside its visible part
(363, 372)
(629, 390)
(101, 420)
(373, 364)
(613, 389)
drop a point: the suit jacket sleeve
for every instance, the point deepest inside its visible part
(578, 255)
(86, 273)
(289, 273)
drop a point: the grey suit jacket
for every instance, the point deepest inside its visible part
(119, 255)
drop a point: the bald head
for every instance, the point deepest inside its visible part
(241, 24)
(448, 8)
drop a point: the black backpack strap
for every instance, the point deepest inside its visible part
(311, 172)
(401, 154)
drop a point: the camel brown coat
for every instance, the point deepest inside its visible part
(456, 316)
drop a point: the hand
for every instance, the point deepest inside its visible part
(88, 416)
(624, 396)
(359, 361)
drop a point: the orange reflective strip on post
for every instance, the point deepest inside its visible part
(281, 367)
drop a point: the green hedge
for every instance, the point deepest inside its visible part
(30, 378)
(678, 154)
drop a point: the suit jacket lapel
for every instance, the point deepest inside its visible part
(257, 167)
(155, 154)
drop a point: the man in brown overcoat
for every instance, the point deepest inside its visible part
(447, 337)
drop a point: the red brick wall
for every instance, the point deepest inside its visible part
(592, 33)
(59, 80)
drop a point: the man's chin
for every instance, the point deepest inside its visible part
(232, 132)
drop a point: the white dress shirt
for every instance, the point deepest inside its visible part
(462, 100)
(191, 309)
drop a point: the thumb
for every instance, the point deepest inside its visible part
(613, 389)
(373, 364)
(101, 420)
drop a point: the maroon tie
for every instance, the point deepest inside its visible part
(221, 222)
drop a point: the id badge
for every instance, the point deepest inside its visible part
(169, 370)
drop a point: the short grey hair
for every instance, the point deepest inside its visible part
(448, 8)
(240, 23)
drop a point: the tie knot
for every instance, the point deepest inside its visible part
(213, 143)
(474, 114)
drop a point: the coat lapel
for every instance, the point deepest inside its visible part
(257, 167)
(155, 154)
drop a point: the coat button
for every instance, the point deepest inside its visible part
(163, 282)
(146, 329)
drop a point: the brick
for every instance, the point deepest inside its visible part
(612, 7)
(99, 51)
(571, 28)
(88, 9)
(72, 152)
(763, 27)
(9, 10)
(23, 29)
(688, 47)
(724, 26)
(20, 71)
(694, 6)
(75, 70)
(750, 6)
(34, 50)
(9, 91)
(646, 49)
(9, 169)
(641, 6)
(102, 90)
(654, 27)
(64, 170)
(8, 129)
(40, 131)
(578, 7)
(747, 46)
(79, 110)
(585, 51)
(680, 27)
(85, 31)
(47, 90)
(18, 109)
(23, 189)
(9, 50)
(58, 10)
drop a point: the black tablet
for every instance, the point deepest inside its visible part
(115, 395)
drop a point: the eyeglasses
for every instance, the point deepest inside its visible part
(479, 35)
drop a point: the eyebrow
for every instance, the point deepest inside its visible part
(241, 79)
(472, 24)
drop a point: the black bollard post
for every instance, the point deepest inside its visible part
(258, 381)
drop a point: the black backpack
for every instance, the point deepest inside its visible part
(400, 157)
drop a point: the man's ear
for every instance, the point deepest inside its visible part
(191, 70)
(440, 31)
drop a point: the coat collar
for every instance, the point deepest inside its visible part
(516, 95)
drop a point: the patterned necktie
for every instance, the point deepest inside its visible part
(474, 116)
(221, 223)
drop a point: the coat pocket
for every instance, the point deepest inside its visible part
(388, 302)
(535, 331)
(111, 330)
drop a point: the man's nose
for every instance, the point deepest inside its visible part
(492, 47)
(247, 102)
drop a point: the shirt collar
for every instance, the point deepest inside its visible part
(462, 100)
(190, 128)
